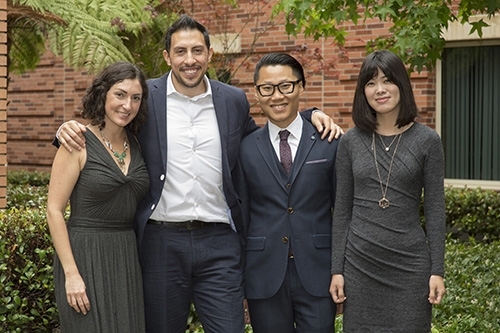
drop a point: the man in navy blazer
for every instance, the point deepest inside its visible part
(288, 216)
(189, 224)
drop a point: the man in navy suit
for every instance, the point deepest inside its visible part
(189, 224)
(288, 208)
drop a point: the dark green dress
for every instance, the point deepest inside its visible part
(103, 241)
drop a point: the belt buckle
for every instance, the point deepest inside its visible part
(190, 225)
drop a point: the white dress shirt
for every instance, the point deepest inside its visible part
(295, 129)
(193, 186)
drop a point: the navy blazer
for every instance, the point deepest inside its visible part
(285, 210)
(234, 120)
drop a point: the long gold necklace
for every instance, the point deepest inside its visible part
(119, 157)
(384, 202)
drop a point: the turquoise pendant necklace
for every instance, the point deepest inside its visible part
(119, 157)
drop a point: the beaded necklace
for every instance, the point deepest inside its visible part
(119, 157)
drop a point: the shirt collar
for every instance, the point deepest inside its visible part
(295, 129)
(171, 89)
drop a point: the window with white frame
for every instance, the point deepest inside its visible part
(471, 112)
(468, 105)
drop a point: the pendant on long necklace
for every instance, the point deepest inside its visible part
(383, 203)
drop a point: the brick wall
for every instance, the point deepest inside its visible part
(330, 84)
(41, 100)
(3, 103)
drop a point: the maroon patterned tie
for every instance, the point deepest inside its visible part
(285, 151)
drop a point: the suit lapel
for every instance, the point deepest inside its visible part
(266, 149)
(159, 97)
(307, 140)
(221, 114)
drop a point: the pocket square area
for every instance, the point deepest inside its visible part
(323, 160)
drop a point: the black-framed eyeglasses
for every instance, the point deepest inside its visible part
(266, 90)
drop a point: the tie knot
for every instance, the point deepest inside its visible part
(284, 135)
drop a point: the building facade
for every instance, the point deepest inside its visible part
(39, 101)
(3, 103)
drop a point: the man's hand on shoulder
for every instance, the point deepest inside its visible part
(325, 125)
(70, 135)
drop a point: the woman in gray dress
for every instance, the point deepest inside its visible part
(387, 269)
(96, 269)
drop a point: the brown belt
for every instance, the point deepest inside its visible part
(188, 225)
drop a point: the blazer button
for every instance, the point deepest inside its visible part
(288, 186)
(290, 210)
(162, 177)
(284, 240)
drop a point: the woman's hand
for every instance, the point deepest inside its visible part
(436, 289)
(76, 295)
(337, 288)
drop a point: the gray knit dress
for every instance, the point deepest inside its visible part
(385, 255)
(103, 242)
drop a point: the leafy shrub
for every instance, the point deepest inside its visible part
(27, 189)
(27, 303)
(26, 196)
(472, 301)
(474, 213)
(471, 213)
(22, 177)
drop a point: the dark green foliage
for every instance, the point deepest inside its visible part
(415, 26)
(26, 196)
(27, 189)
(471, 213)
(27, 301)
(472, 302)
(33, 178)
(474, 213)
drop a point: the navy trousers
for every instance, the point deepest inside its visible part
(202, 266)
(292, 309)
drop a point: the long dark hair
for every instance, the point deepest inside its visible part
(363, 115)
(94, 101)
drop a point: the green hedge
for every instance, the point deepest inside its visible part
(472, 302)
(33, 178)
(474, 213)
(27, 303)
(27, 189)
(471, 213)
(473, 268)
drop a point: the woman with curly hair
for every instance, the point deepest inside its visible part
(97, 275)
